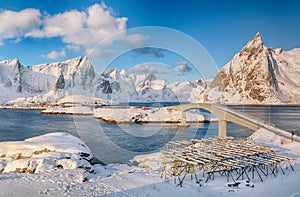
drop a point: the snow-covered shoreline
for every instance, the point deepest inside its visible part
(130, 114)
(120, 179)
(23, 108)
(149, 115)
(76, 110)
(45, 153)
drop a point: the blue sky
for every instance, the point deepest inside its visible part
(40, 31)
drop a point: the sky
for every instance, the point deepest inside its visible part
(139, 34)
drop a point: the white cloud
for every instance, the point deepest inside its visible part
(73, 47)
(142, 69)
(56, 54)
(77, 29)
(87, 28)
(17, 40)
(65, 24)
(159, 68)
(136, 40)
(150, 52)
(183, 67)
(15, 25)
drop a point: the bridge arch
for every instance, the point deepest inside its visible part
(223, 113)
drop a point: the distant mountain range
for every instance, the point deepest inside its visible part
(255, 75)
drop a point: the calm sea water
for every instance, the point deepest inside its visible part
(121, 142)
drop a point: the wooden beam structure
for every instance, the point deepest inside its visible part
(236, 159)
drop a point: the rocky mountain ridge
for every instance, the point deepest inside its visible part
(49, 83)
(255, 75)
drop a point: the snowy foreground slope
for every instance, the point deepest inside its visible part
(255, 75)
(123, 180)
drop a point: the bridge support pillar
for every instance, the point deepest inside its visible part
(222, 128)
(183, 120)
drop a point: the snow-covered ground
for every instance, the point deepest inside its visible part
(269, 138)
(132, 114)
(45, 153)
(122, 180)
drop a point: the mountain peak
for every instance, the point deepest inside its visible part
(254, 46)
(151, 77)
(113, 73)
(256, 41)
(258, 37)
(123, 72)
(11, 62)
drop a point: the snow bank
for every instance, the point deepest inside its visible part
(155, 115)
(119, 180)
(77, 110)
(268, 137)
(151, 161)
(45, 153)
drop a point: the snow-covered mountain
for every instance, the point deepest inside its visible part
(189, 91)
(257, 75)
(152, 89)
(46, 83)
(19, 81)
(50, 83)
(148, 88)
(116, 86)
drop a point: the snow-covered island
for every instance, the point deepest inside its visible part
(58, 164)
(148, 115)
(130, 114)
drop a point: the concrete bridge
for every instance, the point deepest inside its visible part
(226, 114)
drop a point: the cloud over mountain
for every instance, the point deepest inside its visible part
(150, 52)
(56, 54)
(79, 29)
(183, 67)
(142, 68)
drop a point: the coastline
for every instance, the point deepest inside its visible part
(66, 113)
(3, 106)
(23, 108)
(154, 122)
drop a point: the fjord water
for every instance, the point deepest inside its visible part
(120, 142)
